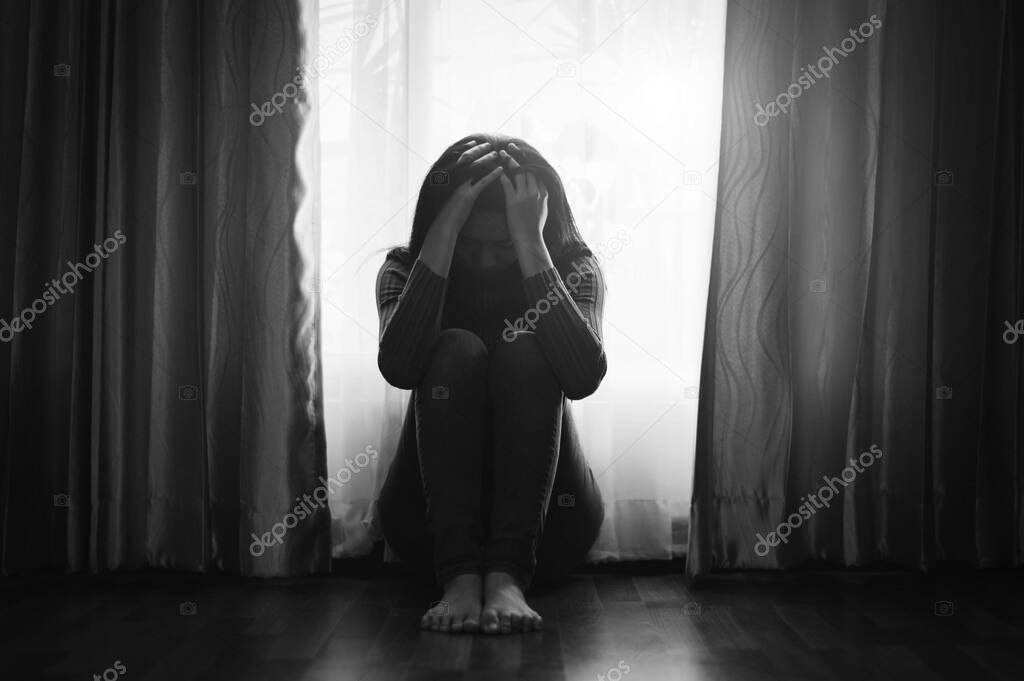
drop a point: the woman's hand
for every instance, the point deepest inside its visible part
(526, 203)
(439, 244)
(526, 211)
(456, 210)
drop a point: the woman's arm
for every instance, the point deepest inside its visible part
(569, 331)
(564, 314)
(410, 299)
(409, 303)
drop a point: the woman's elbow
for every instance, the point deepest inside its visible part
(396, 372)
(586, 383)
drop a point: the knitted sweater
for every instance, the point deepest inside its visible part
(562, 306)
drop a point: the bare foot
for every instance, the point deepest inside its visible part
(505, 608)
(459, 609)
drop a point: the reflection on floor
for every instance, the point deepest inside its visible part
(753, 625)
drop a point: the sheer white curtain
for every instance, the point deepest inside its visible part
(624, 98)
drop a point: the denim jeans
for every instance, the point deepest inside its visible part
(487, 475)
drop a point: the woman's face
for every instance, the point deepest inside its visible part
(484, 242)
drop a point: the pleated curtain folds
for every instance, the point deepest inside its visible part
(164, 406)
(868, 261)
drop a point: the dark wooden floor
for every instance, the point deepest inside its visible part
(601, 626)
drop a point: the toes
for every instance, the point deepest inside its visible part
(516, 621)
(538, 622)
(445, 624)
(490, 622)
(470, 625)
(506, 623)
(457, 625)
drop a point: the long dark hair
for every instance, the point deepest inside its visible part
(561, 235)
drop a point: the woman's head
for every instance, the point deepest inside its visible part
(484, 242)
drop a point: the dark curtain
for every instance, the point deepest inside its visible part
(867, 260)
(168, 406)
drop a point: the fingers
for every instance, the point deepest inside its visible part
(524, 183)
(512, 166)
(531, 184)
(476, 187)
(512, 163)
(474, 153)
(520, 181)
(510, 189)
(487, 159)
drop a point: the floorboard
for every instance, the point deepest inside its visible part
(820, 626)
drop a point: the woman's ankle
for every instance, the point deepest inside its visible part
(461, 579)
(499, 576)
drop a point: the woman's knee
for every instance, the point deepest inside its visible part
(521, 361)
(458, 356)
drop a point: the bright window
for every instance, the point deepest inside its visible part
(624, 98)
